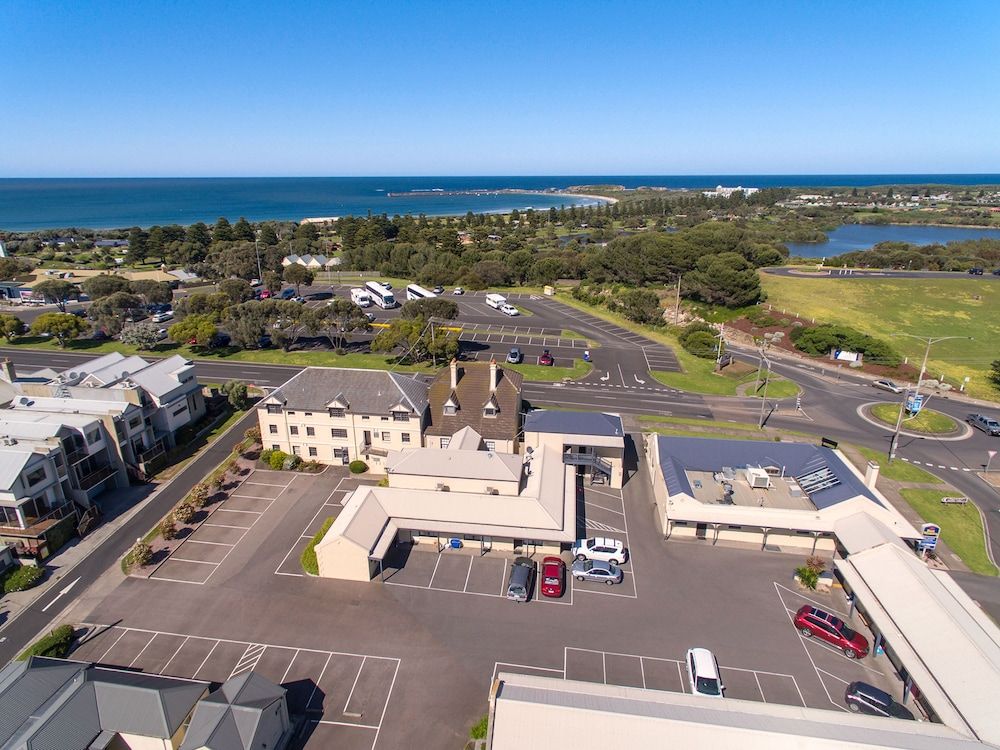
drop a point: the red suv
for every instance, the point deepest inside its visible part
(812, 621)
(553, 577)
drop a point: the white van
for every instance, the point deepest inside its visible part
(360, 297)
(703, 673)
(496, 301)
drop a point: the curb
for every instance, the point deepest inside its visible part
(965, 432)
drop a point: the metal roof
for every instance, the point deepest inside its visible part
(232, 717)
(456, 464)
(574, 423)
(366, 391)
(680, 454)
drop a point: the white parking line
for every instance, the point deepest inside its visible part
(350, 694)
(465, 588)
(199, 541)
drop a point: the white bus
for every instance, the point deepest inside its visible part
(360, 297)
(496, 300)
(415, 291)
(380, 295)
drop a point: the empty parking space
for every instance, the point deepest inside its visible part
(343, 695)
(661, 358)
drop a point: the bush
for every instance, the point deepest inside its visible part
(698, 338)
(807, 577)
(265, 455)
(290, 463)
(141, 554)
(22, 578)
(312, 467)
(199, 495)
(184, 512)
(253, 434)
(308, 558)
(168, 528)
(819, 340)
(480, 728)
(358, 467)
(55, 644)
(276, 459)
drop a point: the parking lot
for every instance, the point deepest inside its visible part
(343, 695)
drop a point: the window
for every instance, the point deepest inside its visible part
(312, 451)
(339, 452)
(337, 412)
(180, 411)
(406, 437)
(400, 416)
(449, 410)
(365, 419)
(338, 432)
(489, 411)
(295, 450)
(445, 442)
(310, 431)
(384, 419)
(273, 429)
(293, 430)
(386, 436)
(93, 437)
(491, 445)
(135, 422)
(275, 447)
(308, 413)
(274, 408)
(36, 476)
(291, 412)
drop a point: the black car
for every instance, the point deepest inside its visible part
(976, 271)
(863, 698)
(264, 342)
(218, 341)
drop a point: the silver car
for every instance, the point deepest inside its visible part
(597, 570)
(887, 385)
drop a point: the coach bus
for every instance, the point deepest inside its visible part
(415, 291)
(380, 295)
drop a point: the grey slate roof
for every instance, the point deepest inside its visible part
(574, 423)
(235, 714)
(678, 454)
(367, 391)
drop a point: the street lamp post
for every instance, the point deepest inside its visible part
(929, 341)
(763, 397)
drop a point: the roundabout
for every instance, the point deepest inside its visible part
(928, 423)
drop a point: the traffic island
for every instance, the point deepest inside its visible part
(927, 422)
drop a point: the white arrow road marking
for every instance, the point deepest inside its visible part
(60, 595)
(606, 377)
(640, 382)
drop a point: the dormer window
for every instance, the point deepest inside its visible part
(489, 411)
(400, 416)
(274, 408)
(450, 409)
(337, 411)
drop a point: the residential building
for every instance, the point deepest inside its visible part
(338, 415)
(57, 703)
(498, 501)
(776, 495)
(592, 441)
(480, 395)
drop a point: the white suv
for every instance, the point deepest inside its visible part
(703, 673)
(600, 548)
(509, 310)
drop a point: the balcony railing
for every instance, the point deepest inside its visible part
(588, 459)
(88, 481)
(76, 456)
(35, 525)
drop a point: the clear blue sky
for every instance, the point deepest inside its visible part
(406, 88)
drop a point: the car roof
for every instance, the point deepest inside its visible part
(704, 662)
(870, 691)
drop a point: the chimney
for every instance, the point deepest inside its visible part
(494, 375)
(871, 475)
(454, 374)
(7, 371)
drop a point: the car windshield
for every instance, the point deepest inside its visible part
(707, 686)
(551, 581)
(842, 628)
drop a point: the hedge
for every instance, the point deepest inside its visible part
(308, 558)
(54, 644)
(358, 467)
(22, 578)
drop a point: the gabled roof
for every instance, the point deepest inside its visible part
(455, 464)
(574, 423)
(471, 392)
(367, 391)
(232, 715)
(13, 459)
(466, 439)
(161, 377)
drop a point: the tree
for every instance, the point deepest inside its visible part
(299, 275)
(141, 335)
(272, 281)
(104, 285)
(430, 307)
(198, 329)
(419, 341)
(198, 234)
(242, 230)
(62, 326)
(268, 235)
(138, 246)
(343, 316)
(237, 290)
(56, 291)
(235, 392)
(11, 326)
(110, 312)
(223, 231)
(724, 279)
(641, 305)
(11, 267)
(152, 292)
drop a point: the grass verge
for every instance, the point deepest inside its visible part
(900, 471)
(961, 527)
(56, 643)
(553, 374)
(927, 421)
(308, 557)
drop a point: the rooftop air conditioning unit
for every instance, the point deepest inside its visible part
(758, 478)
(492, 491)
(441, 487)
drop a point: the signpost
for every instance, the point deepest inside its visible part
(914, 403)
(989, 459)
(931, 532)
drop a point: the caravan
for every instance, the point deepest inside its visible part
(360, 297)
(496, 301)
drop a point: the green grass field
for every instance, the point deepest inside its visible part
(927, 421)
(961, 306)
(552, 374)
(961, 527)
(900, 471)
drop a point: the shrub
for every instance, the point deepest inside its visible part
(54, 644)
(265, 455)
(218, 483)
(276, 459)
(313, 467)
(819, 340)
(22, 579)
(253, 434)
(358, 467)
(168, 528)
(480, 728)
(184, 512)
(199, 494)
(141, 554)
(290, 463)
(698, 338)
(308, 558)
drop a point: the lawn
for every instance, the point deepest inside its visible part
(900, 471)
(961, 527)
(961, 306)
(551, 374)
(927, 421)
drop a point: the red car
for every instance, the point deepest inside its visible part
(553, 577)
(546, 359)
(811, 621)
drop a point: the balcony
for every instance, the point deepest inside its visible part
(91, 480)
(36, 526)
(588, 459)
(76, 456)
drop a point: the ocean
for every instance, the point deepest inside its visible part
(102, 203)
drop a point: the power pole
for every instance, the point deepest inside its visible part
(677, 302)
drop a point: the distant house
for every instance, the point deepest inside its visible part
(110, 243)
(314, 262)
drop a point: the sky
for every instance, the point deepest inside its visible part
(151, 88)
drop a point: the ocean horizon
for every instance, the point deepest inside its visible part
(29, 204)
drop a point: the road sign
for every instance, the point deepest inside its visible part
(914, 403)
(931, 532)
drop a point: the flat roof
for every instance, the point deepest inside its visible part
(549, 712)
(574, 423)
(455, 464)
(950, 648)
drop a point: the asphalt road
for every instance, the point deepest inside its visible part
(868, 273)
(20, 631)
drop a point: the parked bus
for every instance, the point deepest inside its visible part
(360, 297)
(380, 295)
(496, 300)
(415, 291)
